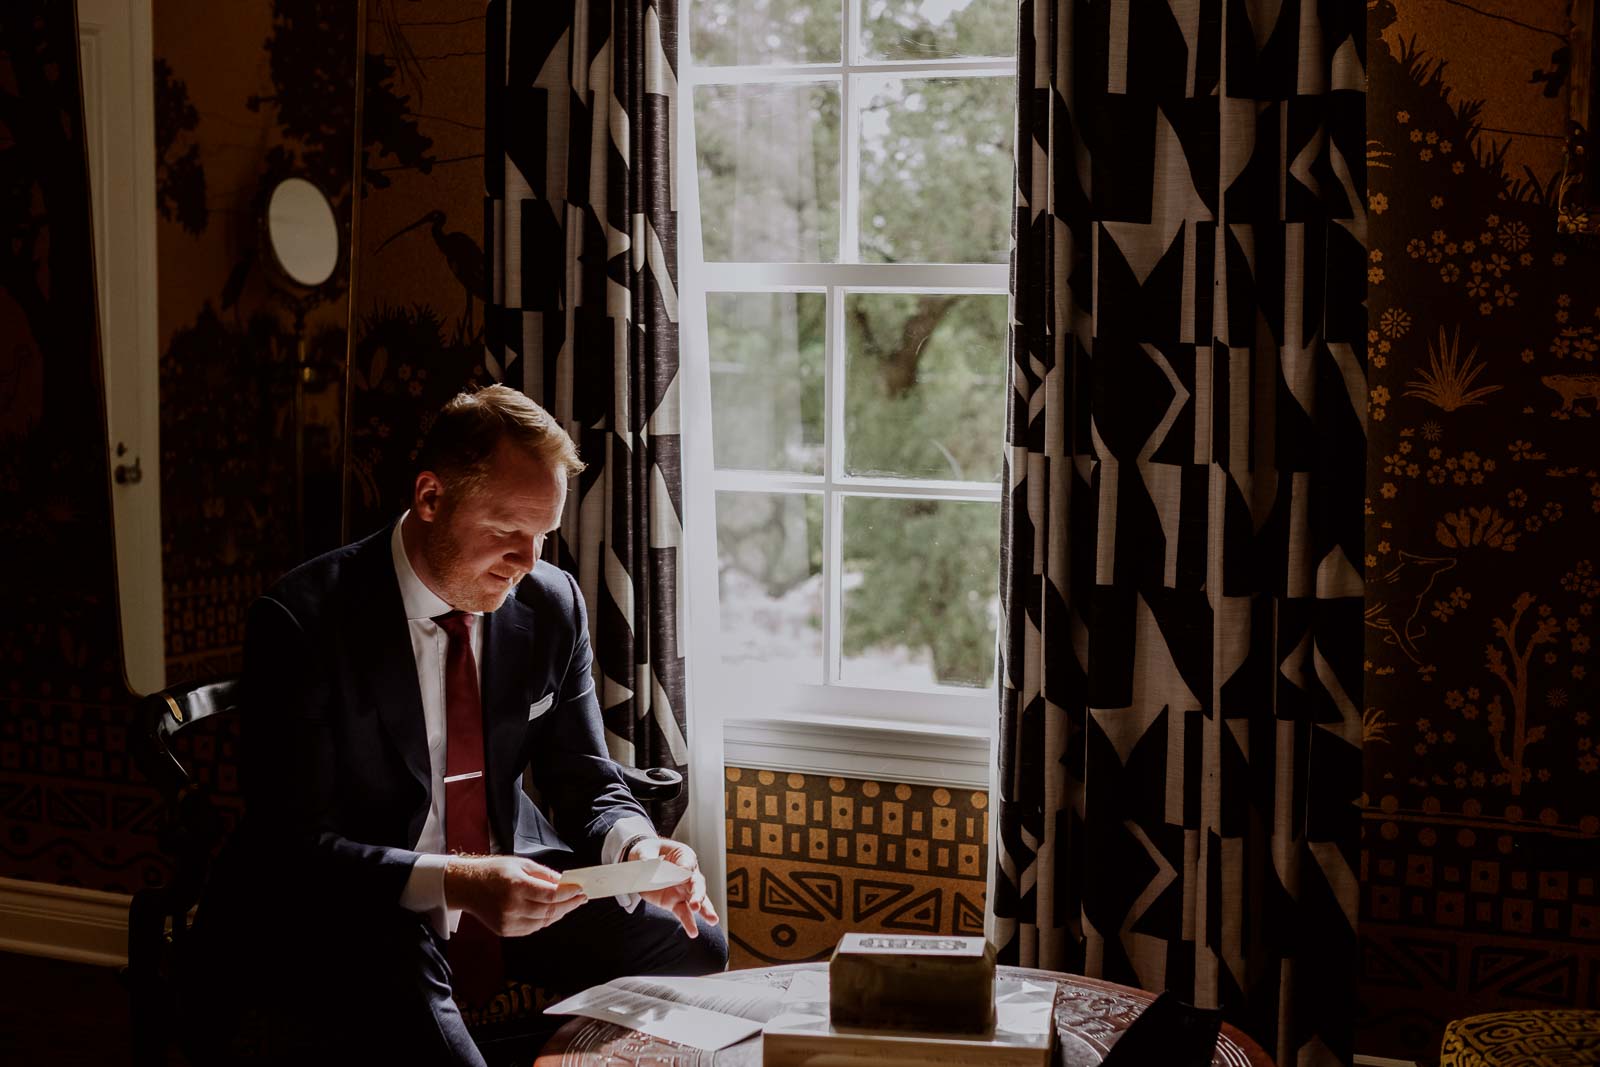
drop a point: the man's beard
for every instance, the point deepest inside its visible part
(461, 587)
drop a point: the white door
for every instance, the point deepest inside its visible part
(114, 38)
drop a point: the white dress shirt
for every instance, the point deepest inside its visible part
(424, 888)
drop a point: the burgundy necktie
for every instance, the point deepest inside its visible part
(473, 950)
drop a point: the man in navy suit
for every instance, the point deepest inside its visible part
(397, 691)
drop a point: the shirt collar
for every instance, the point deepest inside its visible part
(420, 601)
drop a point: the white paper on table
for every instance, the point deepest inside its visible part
(634, 876)
(1017, 1007)
(805, 1002)
(656, 1006)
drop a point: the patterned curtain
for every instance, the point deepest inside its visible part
(582, 255)
(1183, 534)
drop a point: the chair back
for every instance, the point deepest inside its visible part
(166, 714)
(158, 916)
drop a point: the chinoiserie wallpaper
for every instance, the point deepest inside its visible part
(1482, 722)
(69, 811)
(1480, 855)
(247, 93)
(419, 271)
(811, 857)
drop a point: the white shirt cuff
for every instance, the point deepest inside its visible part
(424, 894)
(622, 831)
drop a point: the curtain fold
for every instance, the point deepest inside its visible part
(1183, 528)
(581, 226)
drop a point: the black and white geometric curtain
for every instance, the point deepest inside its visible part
(1183, 530)
(582, 250)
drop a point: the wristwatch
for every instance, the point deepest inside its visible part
(627, 845)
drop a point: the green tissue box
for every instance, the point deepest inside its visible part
(912, 982)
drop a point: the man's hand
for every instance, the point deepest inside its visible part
(686, 899)
(510, 895)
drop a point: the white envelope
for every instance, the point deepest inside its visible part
(634, 876)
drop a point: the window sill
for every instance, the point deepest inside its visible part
(853, 748)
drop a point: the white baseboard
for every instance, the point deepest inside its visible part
(1382, 1061)
(63, 922)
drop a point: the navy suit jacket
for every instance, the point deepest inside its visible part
(335, 757)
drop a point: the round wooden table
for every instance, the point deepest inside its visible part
(1089, 1016)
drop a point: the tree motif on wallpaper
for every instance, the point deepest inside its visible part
(1458, 241)
(1447, 383)
(1554, 78)
(1479, 316)
(311, 59)
(1515, 678)
(180, 176)
(1526, 660)
(388, 125)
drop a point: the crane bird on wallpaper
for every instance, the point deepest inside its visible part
(1397, 598)
(461, 254)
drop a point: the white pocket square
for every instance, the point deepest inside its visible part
(539, 707)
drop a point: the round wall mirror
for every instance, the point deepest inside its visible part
(302, 232)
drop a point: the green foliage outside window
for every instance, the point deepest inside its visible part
(924, 373)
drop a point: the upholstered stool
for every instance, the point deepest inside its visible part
(1523, 1039)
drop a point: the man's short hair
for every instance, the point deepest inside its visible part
(471, 426)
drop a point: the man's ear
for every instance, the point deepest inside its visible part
(427, 496)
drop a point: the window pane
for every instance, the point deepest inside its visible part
(769, 582)
(752, 32)
(921, 595)
(936, 170)
(925, 385)
(769, 172)
(767, 354)
(938, 29)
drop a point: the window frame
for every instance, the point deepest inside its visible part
(943, 735)
(957, 708)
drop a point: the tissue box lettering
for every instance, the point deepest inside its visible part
(911, 982)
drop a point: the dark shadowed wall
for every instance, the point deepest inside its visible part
(1480, 856)
(70, 809)
(245, 93)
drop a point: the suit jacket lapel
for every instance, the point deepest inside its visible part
(386, 667)
(507, 661)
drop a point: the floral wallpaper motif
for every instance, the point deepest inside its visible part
(1480, 848)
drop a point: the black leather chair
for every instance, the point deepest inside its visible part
(158, 918)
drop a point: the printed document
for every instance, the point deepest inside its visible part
(703, 1013)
